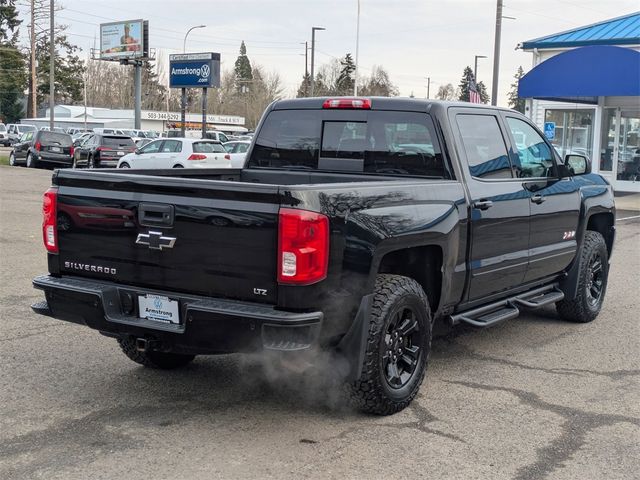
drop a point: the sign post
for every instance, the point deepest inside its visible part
(194, 70)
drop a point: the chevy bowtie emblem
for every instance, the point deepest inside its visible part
(155, 240)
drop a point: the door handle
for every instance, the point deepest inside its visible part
(483, 204)
(537, 198)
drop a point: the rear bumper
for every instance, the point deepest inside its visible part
(207, 325)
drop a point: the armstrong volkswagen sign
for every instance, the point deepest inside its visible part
(194, 70)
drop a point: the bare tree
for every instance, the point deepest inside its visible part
(446, 92)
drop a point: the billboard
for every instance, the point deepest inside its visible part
(194, 70)
(124, 40)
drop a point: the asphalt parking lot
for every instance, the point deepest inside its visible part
(529, 399)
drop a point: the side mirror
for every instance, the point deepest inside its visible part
(578, 164)
(137, 151)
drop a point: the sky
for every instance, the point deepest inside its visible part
(411, 39)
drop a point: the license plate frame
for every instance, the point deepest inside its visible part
(56, 149)
(159, 308)
(120, 153)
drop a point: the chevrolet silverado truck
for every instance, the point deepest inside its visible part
(355, 224)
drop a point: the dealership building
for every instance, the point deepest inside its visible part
(584, 91)
(76, 116)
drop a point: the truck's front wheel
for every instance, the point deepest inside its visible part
(592, 281)
(153, 359)
(397, 348)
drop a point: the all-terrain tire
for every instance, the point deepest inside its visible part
(153, 359)
(584, 307)
(373, 392)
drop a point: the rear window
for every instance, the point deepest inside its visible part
(2, 127)
(26, 128)
(208, 147)
(373, 142)
(55, 138)
(122, 142)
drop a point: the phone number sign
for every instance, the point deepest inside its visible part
(194, 70)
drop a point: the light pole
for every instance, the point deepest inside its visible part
(184, 44)
(475, 66)
(183, 98)
(313, 55)
(355, 76)
(306, 68)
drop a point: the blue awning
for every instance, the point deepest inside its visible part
(584, 74)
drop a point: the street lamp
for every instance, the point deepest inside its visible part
(183, 97)
(475, 66)
(355, 77)
(184, 44)
(313, 55)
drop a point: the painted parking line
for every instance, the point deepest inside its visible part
(627, 218)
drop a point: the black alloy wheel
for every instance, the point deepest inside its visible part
(401, 348)
(595, 280)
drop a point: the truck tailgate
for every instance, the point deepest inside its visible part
(207, 237)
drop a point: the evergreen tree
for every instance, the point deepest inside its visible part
(516, 102)
(465, 81)
(13, 75)
(243, 71)
(482, 91)
(305, 86)
(153, 93)
(69, 70)
(345, 81)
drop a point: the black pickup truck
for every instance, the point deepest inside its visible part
(354, 226)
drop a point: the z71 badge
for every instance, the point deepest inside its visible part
(569, 235)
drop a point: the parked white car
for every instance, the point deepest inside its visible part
(238, 151)
(178, 153)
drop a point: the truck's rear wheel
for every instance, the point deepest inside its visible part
(153, 359)
(397, 349)
(592, 281)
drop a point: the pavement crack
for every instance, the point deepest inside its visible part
(575, 427)
(462, 350)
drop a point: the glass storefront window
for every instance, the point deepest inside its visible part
(607, 139)
(629, 148)
(574, 131)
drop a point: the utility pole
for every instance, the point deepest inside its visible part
(52, 55)
(355, 76)
(34, 87)
(496, 54)
(84, 77)
(428, 86)
(313, 55)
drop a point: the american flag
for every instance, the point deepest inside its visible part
(474, 96)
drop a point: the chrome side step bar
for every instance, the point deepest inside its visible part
(507, 309)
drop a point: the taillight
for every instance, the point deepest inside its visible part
(37, 146)
(102, 149)
(72, 149)
(227, 157)
(303, 246)
(351, 103)
(197, 156)
(49, 220)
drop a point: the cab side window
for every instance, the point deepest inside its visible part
(535, 158)
(485, 147)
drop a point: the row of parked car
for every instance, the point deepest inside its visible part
(108, 148)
